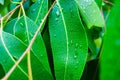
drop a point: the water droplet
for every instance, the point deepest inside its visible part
(54, 35)
(77, 62)
(103, 4)
(31, 34)
(33, 10)
(25, 40)
(57, 13)
(41, 55)
(22, 25)
(75, 56)
(76, 45)
(80, 46)
(56, 19)
(71, 42)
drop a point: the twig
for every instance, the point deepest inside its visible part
(29, 66)
(30, 45)
(107, 2)
(10, 13)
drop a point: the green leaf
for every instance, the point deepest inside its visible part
(10, 44)
(68, 41)
(10, 25)
(110, 56)
(2, 2)
(90, 13)
(99, 3)
(11, 49)
(38, 11)
(6, 3)
(24, 30)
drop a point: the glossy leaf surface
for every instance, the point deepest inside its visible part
(25, 29)
(90, 13)
(38, 11)
(68, 41)
(11, 49)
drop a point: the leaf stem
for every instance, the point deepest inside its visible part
(30, 45)
(8, 15)
(109, 3)
(29, 66)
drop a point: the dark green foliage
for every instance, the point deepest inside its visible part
(69, 41)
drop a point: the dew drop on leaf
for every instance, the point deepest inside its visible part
(33, 10)
(41, 55)
(77, 62)
(76, 45)
(56, 19)
(71, 42)
(57, 13)
(22, 25)
(75, 56)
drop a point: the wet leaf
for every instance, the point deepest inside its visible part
(90, 13)
(11, 49)
(38, 11)
(68, 41)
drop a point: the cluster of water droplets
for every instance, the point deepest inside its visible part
(85, 4)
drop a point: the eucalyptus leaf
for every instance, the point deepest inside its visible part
(25, 30)
(68, 41)
(10, 44)
(10, 25)
(38, 11)
(11, 49)
(90, 13)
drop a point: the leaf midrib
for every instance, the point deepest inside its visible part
(39, 11)
(8, 52)
(66, 38)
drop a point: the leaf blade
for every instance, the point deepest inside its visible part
(90, 13)
(65, 40)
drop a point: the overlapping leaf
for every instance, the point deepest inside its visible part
(10, 44)
(25, 29)
(68, 41)
(37, 11)
(11, 49)
(90, 13)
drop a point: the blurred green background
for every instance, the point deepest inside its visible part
(110, 55)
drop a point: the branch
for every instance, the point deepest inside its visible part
(30, 45)
(107, 2)
(10, 13)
